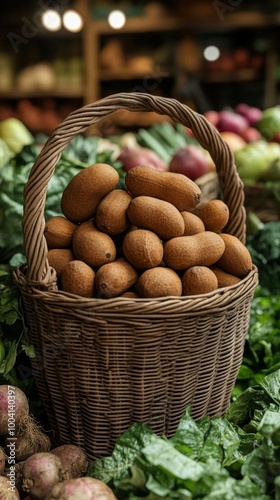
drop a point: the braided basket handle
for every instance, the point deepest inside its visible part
(77, 122)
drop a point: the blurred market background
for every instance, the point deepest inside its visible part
(206, 54)
(220, 57)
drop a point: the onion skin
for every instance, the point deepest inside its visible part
(40, 472)
(9, 396)
(5, 493)
(73, 459)
(232, 122)
(132, 157)
(84, 488)
(251, 113)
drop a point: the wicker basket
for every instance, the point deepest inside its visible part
(103, 364)
(209, 186)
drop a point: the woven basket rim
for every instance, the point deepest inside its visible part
(217, 299)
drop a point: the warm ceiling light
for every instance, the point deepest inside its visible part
(211, 53)
(51, 20)
(72, 21)
(116, 19)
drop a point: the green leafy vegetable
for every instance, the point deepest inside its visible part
(5, 153)
(14, 340)
(15, 348)
(236, 456)
(264, 246)
(262, 347)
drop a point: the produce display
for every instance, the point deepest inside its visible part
(253, 136)
(30, 466)
(236, 456)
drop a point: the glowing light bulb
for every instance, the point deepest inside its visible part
(211, 53)
(116, 19)
(72, 21)
(51, 20)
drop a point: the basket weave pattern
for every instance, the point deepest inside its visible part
(103, 364)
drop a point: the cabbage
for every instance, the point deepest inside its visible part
(5, 153)
(253, 160)
(15, 134)
(269, 124)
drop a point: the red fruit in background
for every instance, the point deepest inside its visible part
(251, 113)
(251, 134)
(229, 121)
(212, 116)
(131, 157)
(189, 161)
(241, 108)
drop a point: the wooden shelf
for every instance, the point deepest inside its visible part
(60, 92)
(139, 24)
(144, 24)
(241, 75)
(127, 73)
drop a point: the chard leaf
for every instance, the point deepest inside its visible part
(233, 490)
(10, 360)
(243, 409)
(253, 424)
(157, 487)
(237, 412)
(245, 373)
(247, 441)
(128, 446)
(270, 423)
(29, 350)
(188, 439)
(161, 453)
(271, 385)
(277, 488)
(17, 259)
(221, 442)
(255, 468)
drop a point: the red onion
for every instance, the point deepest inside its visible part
(251, 113)
(232, 122)
(189, 161)
(132, 157)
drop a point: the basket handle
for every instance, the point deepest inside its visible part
(39, 271)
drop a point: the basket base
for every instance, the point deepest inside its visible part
(100, 369)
